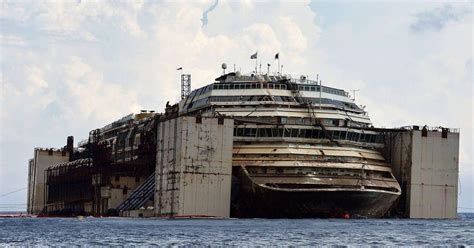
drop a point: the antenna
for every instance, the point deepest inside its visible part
(320, 91)
(354, 94)
(224, 66)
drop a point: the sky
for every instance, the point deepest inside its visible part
(68, 67)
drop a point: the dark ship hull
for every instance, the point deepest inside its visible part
(252, 200)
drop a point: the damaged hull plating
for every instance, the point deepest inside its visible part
(300, 149)
(260, 201)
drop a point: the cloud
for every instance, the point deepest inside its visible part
(12, 40)
(436, 19)
(75, 66)
(206, 12)
(35, 80)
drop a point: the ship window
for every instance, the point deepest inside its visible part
(286, 133)
(277, 86)
(226, 86)
(294, 133)
(366, 137)
(277, 132)
(317, 134)
(343, 134)
(335, 134)
(250, 132)
(313, 88)
(283, 87)
(264, 132)
(307, 133)
(231, 86)
(259, 86)
(265, 86)
(355, 136)
(254, 86)
(270, 86)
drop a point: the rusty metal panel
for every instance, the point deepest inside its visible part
(43, 158)
(316, 164)
(195, 176)
(434, 173)
(428, 165)
(310, 150)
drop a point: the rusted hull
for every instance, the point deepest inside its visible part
(265, 202)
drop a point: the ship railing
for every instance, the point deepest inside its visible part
(429, 128)
(303, 81)
(83, 142)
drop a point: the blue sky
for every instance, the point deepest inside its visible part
(71, 66)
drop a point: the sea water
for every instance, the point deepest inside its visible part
(239, 232)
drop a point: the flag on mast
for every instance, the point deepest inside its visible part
(179, 69)
(254, 56)
(277, 56)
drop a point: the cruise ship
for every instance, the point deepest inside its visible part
(245, 146)
(300, 149)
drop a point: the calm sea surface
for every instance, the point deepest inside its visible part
(121, 231)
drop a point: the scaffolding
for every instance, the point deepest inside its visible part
(85, 184)
(185, 85)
